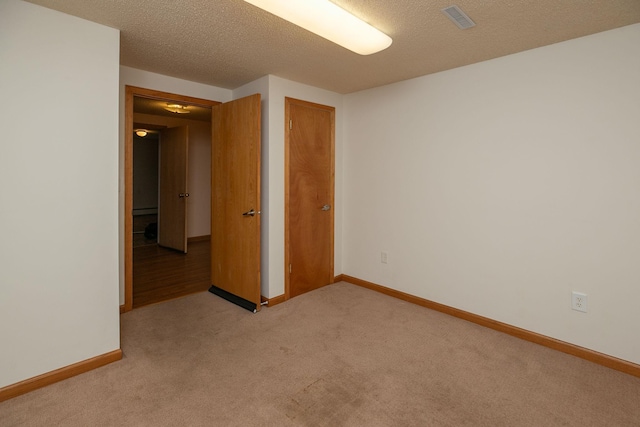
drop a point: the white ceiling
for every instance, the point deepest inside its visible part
(228, 43)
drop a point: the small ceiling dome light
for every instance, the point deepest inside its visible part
(141, 132)
(177, 108)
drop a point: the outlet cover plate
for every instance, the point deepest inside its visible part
(579, 301)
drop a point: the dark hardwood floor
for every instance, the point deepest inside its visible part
(161, 274)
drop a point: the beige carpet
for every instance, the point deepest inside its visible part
(338, 356)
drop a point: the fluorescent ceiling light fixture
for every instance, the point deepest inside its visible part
(330, 21)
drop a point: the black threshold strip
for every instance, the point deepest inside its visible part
(233, 298)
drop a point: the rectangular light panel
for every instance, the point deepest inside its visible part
(330, 21)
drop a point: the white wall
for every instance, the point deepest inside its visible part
(144, 79)
(273, 90)
(58, 190)
(500, 187)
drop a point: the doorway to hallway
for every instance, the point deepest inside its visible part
(153, 273)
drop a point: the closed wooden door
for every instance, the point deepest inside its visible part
(309, 218)
(235, 201)
(172, 195)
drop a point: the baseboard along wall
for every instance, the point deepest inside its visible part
(204, 238)
(49, 378)
(273, 301)
(627, 367)
(574, 350)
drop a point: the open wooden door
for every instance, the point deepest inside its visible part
(172, 204)
(235, 202)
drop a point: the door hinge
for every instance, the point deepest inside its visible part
(289, 268)
(290, 124)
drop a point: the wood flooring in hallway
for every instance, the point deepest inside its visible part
(161, 274)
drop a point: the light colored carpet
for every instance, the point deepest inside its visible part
(338, 356)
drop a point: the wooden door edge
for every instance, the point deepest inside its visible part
(287, 254)
(258, 201)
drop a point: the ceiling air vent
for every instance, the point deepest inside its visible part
(458, 17)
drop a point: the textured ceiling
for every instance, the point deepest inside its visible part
(228, 43)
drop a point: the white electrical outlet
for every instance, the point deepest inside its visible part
(579, 301)
(384, 257)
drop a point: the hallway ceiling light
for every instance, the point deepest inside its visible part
(177, 108)
(141, 132)
(330, 21)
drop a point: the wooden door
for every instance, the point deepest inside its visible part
(235, 201)
(309, 188)
(172, 194)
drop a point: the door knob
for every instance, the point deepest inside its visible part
(183, 195)
(326, 207)
(249, 213)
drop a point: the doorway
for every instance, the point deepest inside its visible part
(309, 196)
(157, 261)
